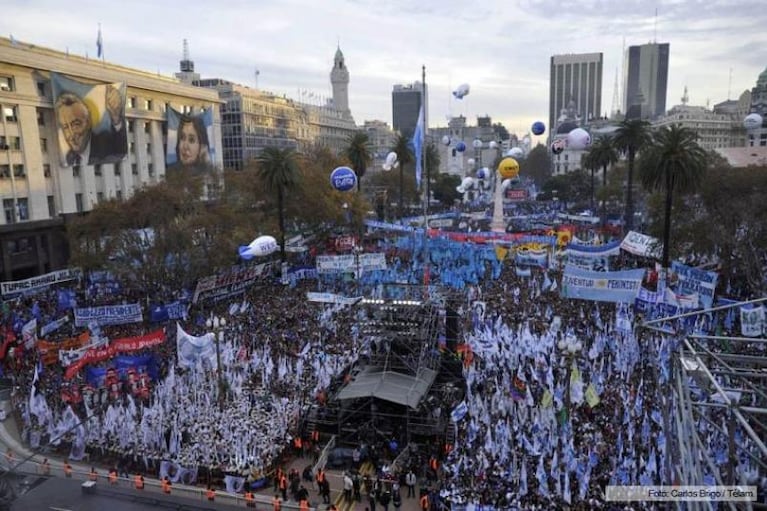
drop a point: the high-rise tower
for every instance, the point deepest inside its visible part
(575, 87)
(646, 80)
(339, 78)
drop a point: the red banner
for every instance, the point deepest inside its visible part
(516, 195)
(125, 345)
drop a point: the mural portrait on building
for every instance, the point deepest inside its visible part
(189, 141)
(90, 120)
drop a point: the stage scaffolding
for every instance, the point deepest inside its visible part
(718, 385)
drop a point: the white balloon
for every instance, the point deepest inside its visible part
(460, 189)
(516, 152)
(461, 91)
(493, 144)
(467, 183)
(261, 246)
(578, 139)
(470, 161)
(753, 121)
(391, 158)
(386, 167)
(446, 140)
(396, 164)
(477, 143)
(505, 184)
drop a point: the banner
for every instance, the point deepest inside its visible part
(13, 288)
(90, 120)
(54, 325)
(303, 273)
(695, 281)
(537, 258)
(752, 321)
(49, 351)
(105, 352)
(190, 141)
(159, 313)
(109, 315)
(459, 412)
(641, 245)
(194, 351)
(231, 283)
(372, 261)
(333, 264)
(332, 298)
(29, 334)
(611, 286)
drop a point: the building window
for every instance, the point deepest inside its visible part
(150, 169)
(117, 170)
(132, 147)
(149, 149)
(119, 195)
(9, 112)
(51, 206)
(97, 170)
(3, 147)
(5, 171)
(46, 170)
(16, 143)
(148, 104)
(79, 202)
(41, 89)
(10, 211)
(130, 126)
(134, 169)
(23, 207)
(132, 102)
(18, 170)
(40, 117)
(6, 83)
(44, 145)
(147, 128)
(76, 171)
(99, 197)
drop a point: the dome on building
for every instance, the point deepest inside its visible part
(762, 80)
(566, 127)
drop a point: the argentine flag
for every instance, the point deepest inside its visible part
(418, 137)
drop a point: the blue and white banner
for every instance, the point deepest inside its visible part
(692, 281)
(752, 321)
(175, 310)
(53, 326)
(608, 249)
(195, 351)
(537, 258)
(372, 261)
(373, 224)
(459, 412)
(332, 298)
(109, 315)
(611, 286)
(303, 273)
(15, 288)
(641, 245)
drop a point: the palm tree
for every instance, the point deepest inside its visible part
(674, 162)
(358, 152)
(402, 146)
(589, 161)
(278, 171)
(631, 136)
(603, 154)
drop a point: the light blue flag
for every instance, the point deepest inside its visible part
(418, 137)
(523, 480)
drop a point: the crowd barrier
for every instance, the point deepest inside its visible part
(151, 485)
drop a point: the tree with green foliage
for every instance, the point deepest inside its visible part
(445, 189)
(631, 136)
(537, 165)
(602, 153)
(403, 148)
(278, 171)
(672, 162)
(359, 154)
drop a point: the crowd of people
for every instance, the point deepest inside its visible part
(563, 397)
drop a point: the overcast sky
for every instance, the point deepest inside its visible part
(501, 48)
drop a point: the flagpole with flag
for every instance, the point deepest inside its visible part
(99, 45)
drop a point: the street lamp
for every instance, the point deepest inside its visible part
(218, 325)
(570, 347)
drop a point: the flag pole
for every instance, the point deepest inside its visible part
(426, 269)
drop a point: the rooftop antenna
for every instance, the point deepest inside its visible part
(616, 95)
(257, 73)
(729, 86)
(655, 27)
(186, 49)
(685, 96)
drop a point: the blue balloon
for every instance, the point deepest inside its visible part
(481, 173)
(460, 147)
(538, 128)
(343, 179)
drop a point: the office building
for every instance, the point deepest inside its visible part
(645, 80)
(38, 192)
(575, 85)
(406, 103)
(758, 136)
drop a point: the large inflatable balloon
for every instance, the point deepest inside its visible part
(508, 168)
(538, 128)
(493, 144)
(505, 184)
(558, 145)
(460, 147)
(578, 139)
(467, 183)
(461, 91)
(446, 140)
(516, 152)
(482, 173)
(391, 159)
(753, 121)
(261, 246)
(343, 179)
(477, 144)
(470, 162)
